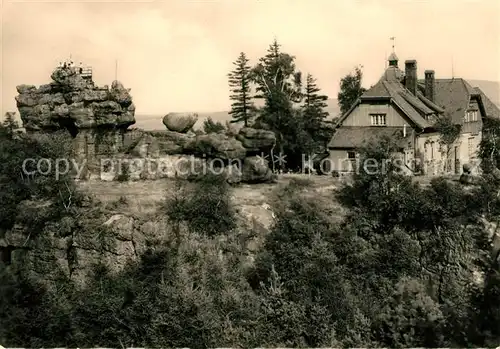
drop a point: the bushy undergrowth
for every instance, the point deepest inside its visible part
(204, 207)
(397, 273)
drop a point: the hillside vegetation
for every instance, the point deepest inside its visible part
(377, 262)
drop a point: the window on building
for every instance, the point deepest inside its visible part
(471, 116)
(351, 155)
(432, 150)
(471, 147)
(378, 119)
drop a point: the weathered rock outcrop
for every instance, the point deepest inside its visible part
(72, 246)
(74, 102)
(216, 145)
(161, 154)
(100, 233)
(98, 119)
(256, 140)
(256, 169)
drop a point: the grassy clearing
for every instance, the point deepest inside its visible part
(142, 198)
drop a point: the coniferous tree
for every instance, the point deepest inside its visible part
(211, 126)
(240, 86)
(314, 114)
(276, 76)
(314, 103)
(10, 123)
(279, 84)
(350, 89)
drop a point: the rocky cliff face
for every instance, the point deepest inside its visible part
(73, 101)
(109, 233)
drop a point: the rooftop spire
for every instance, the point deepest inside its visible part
(393, 59)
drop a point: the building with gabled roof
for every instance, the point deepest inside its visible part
(401, 104)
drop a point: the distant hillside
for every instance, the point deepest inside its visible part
(154, 122)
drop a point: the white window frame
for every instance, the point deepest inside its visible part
(378, 119)
(471, 116)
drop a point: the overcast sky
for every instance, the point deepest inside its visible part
(175, 55)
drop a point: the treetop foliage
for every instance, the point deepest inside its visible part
(350, 89)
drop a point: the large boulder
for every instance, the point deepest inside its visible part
(255, 169)
(23, 89)
(217, 145)
(180, 122)
(27, 99)
(120, 94)
(95, 95)
(256, 140)
(147, 146)
(469, 179)
(69, 79)
(82, 117)
(233, 174)
(173, 142)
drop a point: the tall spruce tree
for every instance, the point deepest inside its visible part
(350, 89)
(313, 111)
(10, 122)
(279, 84)
(240, 86)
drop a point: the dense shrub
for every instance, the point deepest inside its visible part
(211, 126)
(205, 208)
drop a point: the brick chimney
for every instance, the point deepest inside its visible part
(430, 85)
(411, 75)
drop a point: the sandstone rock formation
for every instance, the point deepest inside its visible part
(255, 170)
(216, 145)
(74, 102)
(256, 140)
(72, 246)
(180, 122)
(168, 153)
(98, 119)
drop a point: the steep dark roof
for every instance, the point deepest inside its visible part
(413, 106)
(490, 108)
(356, 136)
(453, 95)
